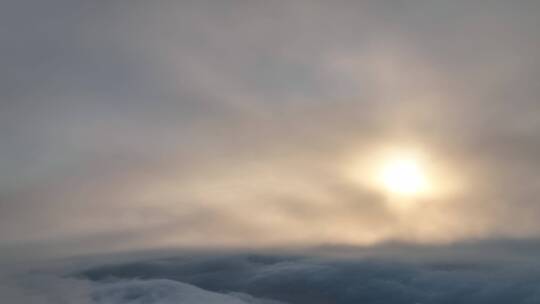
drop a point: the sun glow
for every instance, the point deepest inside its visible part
(403, 175)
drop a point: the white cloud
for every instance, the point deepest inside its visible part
(54, 289)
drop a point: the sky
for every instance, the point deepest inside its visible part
(271, 126)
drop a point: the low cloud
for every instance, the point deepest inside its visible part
(390, 274)
(307, 280)
(54, 289)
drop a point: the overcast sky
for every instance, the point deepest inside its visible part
(149, 124)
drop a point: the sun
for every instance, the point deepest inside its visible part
(403, 175)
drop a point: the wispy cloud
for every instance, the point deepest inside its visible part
(138, 125)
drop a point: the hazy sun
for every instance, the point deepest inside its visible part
(403, 175)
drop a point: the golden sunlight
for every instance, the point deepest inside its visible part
(403, 175)
(401, 172)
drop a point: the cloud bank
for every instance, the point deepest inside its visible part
(396, 274)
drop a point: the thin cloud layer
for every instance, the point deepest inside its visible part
(205, 124)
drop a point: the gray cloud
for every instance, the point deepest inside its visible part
(51, 289)
(392, 273)
(464, 278)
